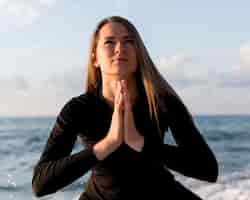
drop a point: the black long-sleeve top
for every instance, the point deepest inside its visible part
(125, 173)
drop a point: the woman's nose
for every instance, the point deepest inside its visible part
(119, 47)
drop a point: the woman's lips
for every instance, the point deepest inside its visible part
(120, 60)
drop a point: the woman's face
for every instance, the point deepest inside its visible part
(115, 52)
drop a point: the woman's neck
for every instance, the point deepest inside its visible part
(109, 89)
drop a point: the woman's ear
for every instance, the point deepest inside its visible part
(95, 63)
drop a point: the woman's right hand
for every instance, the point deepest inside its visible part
(115, 135)
(116, 131)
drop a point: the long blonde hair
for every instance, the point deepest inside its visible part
(153, 83)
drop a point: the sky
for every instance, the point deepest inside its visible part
(201, 48)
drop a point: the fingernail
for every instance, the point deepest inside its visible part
(123, 82)
(119, 85)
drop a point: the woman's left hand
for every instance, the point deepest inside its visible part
(131, 136)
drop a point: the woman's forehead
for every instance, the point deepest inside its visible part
(112, 30)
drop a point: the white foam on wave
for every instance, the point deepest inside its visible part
(233, 186)
(77, 197)
(228, 191)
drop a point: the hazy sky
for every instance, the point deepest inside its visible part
(202, 49)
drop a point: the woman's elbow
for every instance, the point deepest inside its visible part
(206, 170)
(212, 171)
(40, 190)
(37, 190)
(39, 187)
(212, 178)
(214, 174)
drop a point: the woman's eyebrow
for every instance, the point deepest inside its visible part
(109, 38)
(128, 37)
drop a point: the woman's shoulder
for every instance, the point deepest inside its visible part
(168, 100)
(82, 99)
(77, 103)
(174, 104)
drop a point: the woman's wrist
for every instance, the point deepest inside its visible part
(104, 147)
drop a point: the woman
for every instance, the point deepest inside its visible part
(121, 119)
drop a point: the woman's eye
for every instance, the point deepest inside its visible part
(108, 42)
(130, 41)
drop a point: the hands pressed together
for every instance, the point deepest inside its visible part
(122, 128)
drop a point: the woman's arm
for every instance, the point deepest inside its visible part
(192, 156)
(56, 167)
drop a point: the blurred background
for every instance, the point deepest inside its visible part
(201, 48)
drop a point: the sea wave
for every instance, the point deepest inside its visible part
(234, 186)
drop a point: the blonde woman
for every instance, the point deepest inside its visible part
(122, 118)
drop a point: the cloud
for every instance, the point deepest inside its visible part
(174, 61)
(48, 3)
(234, 79)
(215, 88)
(216, 100)
(2, 3)
(15, 83)
(19, 13)
(185, 71)
(24, 96)
(67, 82)
(180, 71)
(245, 56)
(239, 76)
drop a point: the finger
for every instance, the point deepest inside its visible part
(117, 93)
(126, 95)
(123, 85)
(120, 99)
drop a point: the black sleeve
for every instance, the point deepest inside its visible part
(192, 156)
(56, 167)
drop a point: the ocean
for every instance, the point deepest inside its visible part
(22, 141)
